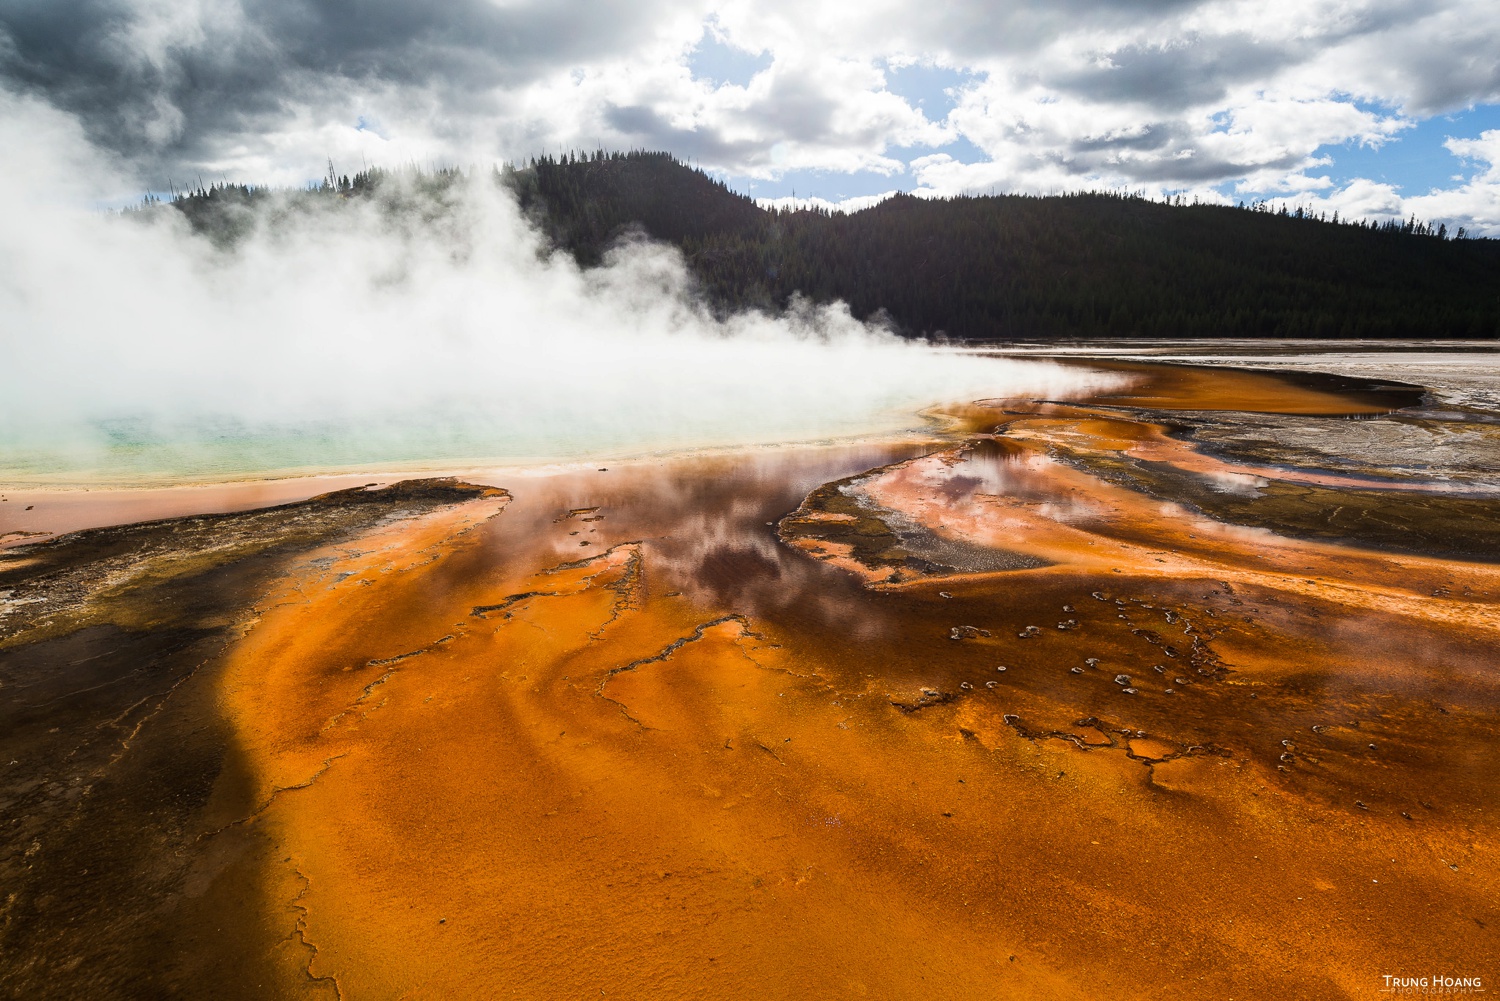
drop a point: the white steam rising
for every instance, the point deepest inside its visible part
(133, 349)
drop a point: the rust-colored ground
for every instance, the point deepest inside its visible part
(620, 740)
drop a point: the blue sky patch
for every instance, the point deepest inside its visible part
(721, 64)
(960, 149)
(1414, 161)
(925, 87)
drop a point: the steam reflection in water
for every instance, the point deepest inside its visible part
(820, 393)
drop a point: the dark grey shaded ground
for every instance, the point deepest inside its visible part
(111, 743)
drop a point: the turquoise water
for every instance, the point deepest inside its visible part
(145, 450)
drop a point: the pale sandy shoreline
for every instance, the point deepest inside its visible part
(35, 512)
(1440, 365)
(30, 511)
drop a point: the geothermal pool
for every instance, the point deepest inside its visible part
(1183, 688)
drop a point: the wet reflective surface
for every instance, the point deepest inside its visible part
(1022, 714)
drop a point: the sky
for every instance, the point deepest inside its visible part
(1370, 108)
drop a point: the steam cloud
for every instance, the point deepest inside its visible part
(133, 348)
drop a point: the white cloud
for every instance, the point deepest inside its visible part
(1360, 199)
(1164, 96)
(1476, 203)
(853, 204)
(1485, 149)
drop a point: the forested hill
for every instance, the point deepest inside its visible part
(1016, 266)
(1013, 266)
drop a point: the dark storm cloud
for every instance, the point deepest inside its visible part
(981, 29)
(1197, 169)
(1431, 57)
(144, 89)
(1163, 156)
(75, 53)
(798, 108)
(795, 108)
(1192, 72)
(1463, 72)
(1148, 137)
(646, 128)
